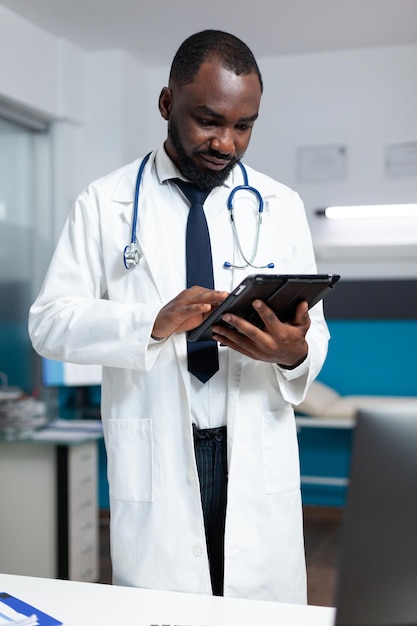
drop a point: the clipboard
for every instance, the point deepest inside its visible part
(26, 613)
(281, 292)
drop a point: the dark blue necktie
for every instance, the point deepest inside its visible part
(203, 357)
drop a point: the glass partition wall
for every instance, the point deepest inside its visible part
(25, 212)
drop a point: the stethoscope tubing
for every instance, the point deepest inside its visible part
(131, 252)
(136, 200)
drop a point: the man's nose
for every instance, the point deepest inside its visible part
(224, 141)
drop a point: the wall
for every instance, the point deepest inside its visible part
(96, 107)
(30, 64)
(105, 105)
(373, 326)
(363, 100)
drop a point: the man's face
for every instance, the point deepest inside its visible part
(210, 122)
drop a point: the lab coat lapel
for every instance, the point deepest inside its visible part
(123, 197)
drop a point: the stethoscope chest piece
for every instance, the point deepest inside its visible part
(131, 256)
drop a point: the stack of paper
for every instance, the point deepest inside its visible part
(20, 415)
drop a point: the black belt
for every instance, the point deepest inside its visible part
(218, 434)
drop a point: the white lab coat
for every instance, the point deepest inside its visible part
(91, 310)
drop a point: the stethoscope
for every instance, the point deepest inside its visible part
(131, 255)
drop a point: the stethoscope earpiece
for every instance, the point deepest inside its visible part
(228, 266)
(131, 254)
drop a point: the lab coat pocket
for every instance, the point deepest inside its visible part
(129, 454)
(280, 452)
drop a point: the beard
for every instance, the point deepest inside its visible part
(204, 179)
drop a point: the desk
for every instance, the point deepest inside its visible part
(49, 509)
(90, 604)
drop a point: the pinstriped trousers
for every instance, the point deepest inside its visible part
(210, 446)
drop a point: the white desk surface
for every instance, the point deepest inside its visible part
(90, 604)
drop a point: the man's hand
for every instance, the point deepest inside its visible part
(186, 311)
(278, 342)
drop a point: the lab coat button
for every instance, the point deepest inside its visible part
(198, 551)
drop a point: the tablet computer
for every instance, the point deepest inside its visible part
(281, 292)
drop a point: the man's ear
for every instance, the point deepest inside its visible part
(165, 103)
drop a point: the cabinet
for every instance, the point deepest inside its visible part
(49, 506)
(325, 451)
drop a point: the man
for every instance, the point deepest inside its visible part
(194, 507)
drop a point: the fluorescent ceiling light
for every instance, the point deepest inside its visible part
(369, 211)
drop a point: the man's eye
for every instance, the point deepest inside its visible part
(205, 122)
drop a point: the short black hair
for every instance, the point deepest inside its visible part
(212, 44)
